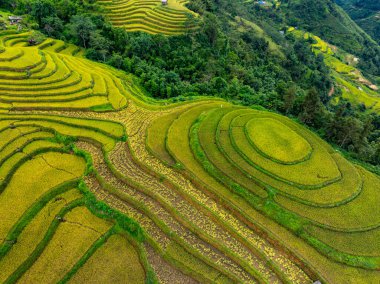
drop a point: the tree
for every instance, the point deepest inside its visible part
(289, 98)
(42, 9)
(81, 27)
(100, 44)
(141, 45)
(210, 28)
(312, 109)
(52, 26)
(36, 38)
(116, 61)
(219, 86)
(3, 26)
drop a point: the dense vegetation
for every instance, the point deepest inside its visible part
(366, 14)
(327, 20)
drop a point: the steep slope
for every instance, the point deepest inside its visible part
(327, 20)
(366, 14)
(39, 78)
(354, 86)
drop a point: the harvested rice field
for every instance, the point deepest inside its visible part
(100, 186)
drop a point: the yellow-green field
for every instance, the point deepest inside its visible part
(99, 184)
(149, 16)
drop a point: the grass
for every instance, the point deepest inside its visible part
(156, 136)
(67, 127)
(41, 79)
(313, 174)
(177, 148)
(358, 215)
(23, 268)
(33, 179)
(218, 157)
(283, 217)
(206, 273)
(36, 155)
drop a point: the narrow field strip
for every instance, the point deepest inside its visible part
(195, 267)
(35, 79)
(182, 146)
(29, 262)
(368, 261)
(101, 183)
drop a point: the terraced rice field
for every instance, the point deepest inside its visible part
(12, 38)
(40, 78)
(149, 16)
(100, 184)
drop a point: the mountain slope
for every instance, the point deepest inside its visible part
(366, 14)
(328, 21)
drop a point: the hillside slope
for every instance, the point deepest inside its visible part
(201, 190)
(327, 20)
(351, 83)
(366, 14)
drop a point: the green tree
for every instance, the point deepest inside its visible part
(36, 38)
(52, 26)
(81, 28)
(42, 9)
(312, 109)
(100, 44)
(289, 98)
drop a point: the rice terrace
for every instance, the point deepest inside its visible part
(100, 182)
(149, 15)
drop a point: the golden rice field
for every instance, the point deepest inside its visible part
(149, 16)
(99, 184)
